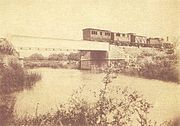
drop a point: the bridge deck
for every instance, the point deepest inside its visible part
(56, 43)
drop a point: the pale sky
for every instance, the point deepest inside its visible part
(66, 18)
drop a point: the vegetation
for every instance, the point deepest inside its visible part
(12, 76)
(52, 64)
(152, 65)
(162, 69)
(15, 78)
(36, 56)
(60, 60)
(6, 47)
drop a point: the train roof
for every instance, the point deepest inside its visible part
(96, 29)
(141, 36)
(156, 38)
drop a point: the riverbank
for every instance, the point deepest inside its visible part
(51, 64)
(151, 65)
(139, 62)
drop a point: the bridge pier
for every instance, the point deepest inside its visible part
(93, 60)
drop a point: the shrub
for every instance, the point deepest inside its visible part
(74, 56)
(160, 69)
(15, 78)
(36, 56)
(153, 66)
(58, 57)
(6, 47)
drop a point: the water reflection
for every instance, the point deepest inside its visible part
(54, 89)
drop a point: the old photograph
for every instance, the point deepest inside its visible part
(89, 63)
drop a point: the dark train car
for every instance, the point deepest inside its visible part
(121, 39)
(141, 40)
(155, 42)
(137, 40)
(91, 34)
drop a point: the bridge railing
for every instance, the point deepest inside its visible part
(44, 49)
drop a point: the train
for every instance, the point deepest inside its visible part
(124, 39)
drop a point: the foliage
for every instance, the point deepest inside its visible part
(74, 56)
(62, 56)
(52, 64)
(152, 65)
(58, 57)
(6, 47)
(15, 78)
(162, 70)
(36, 56)
(60, 60)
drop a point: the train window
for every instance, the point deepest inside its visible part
(94, 32)
(123, 35)
(100, 33)
(107, 34)
(117, 34)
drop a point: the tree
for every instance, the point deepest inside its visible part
(36, 56)
(58, 57)
(74, 56)
(6, 47)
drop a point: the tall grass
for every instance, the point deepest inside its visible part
(15, 78)
(152, 66)
(163, 70)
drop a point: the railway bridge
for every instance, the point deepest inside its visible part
(93, 54)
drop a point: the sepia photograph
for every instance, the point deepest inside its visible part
(89, 63)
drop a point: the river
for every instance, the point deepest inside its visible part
(57, 85)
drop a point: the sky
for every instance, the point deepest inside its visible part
(66, 18)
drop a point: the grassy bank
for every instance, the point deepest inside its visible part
(13, 78)
(160, 66)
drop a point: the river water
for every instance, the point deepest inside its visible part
(57, 85)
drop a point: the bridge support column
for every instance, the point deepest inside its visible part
(94, 60)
